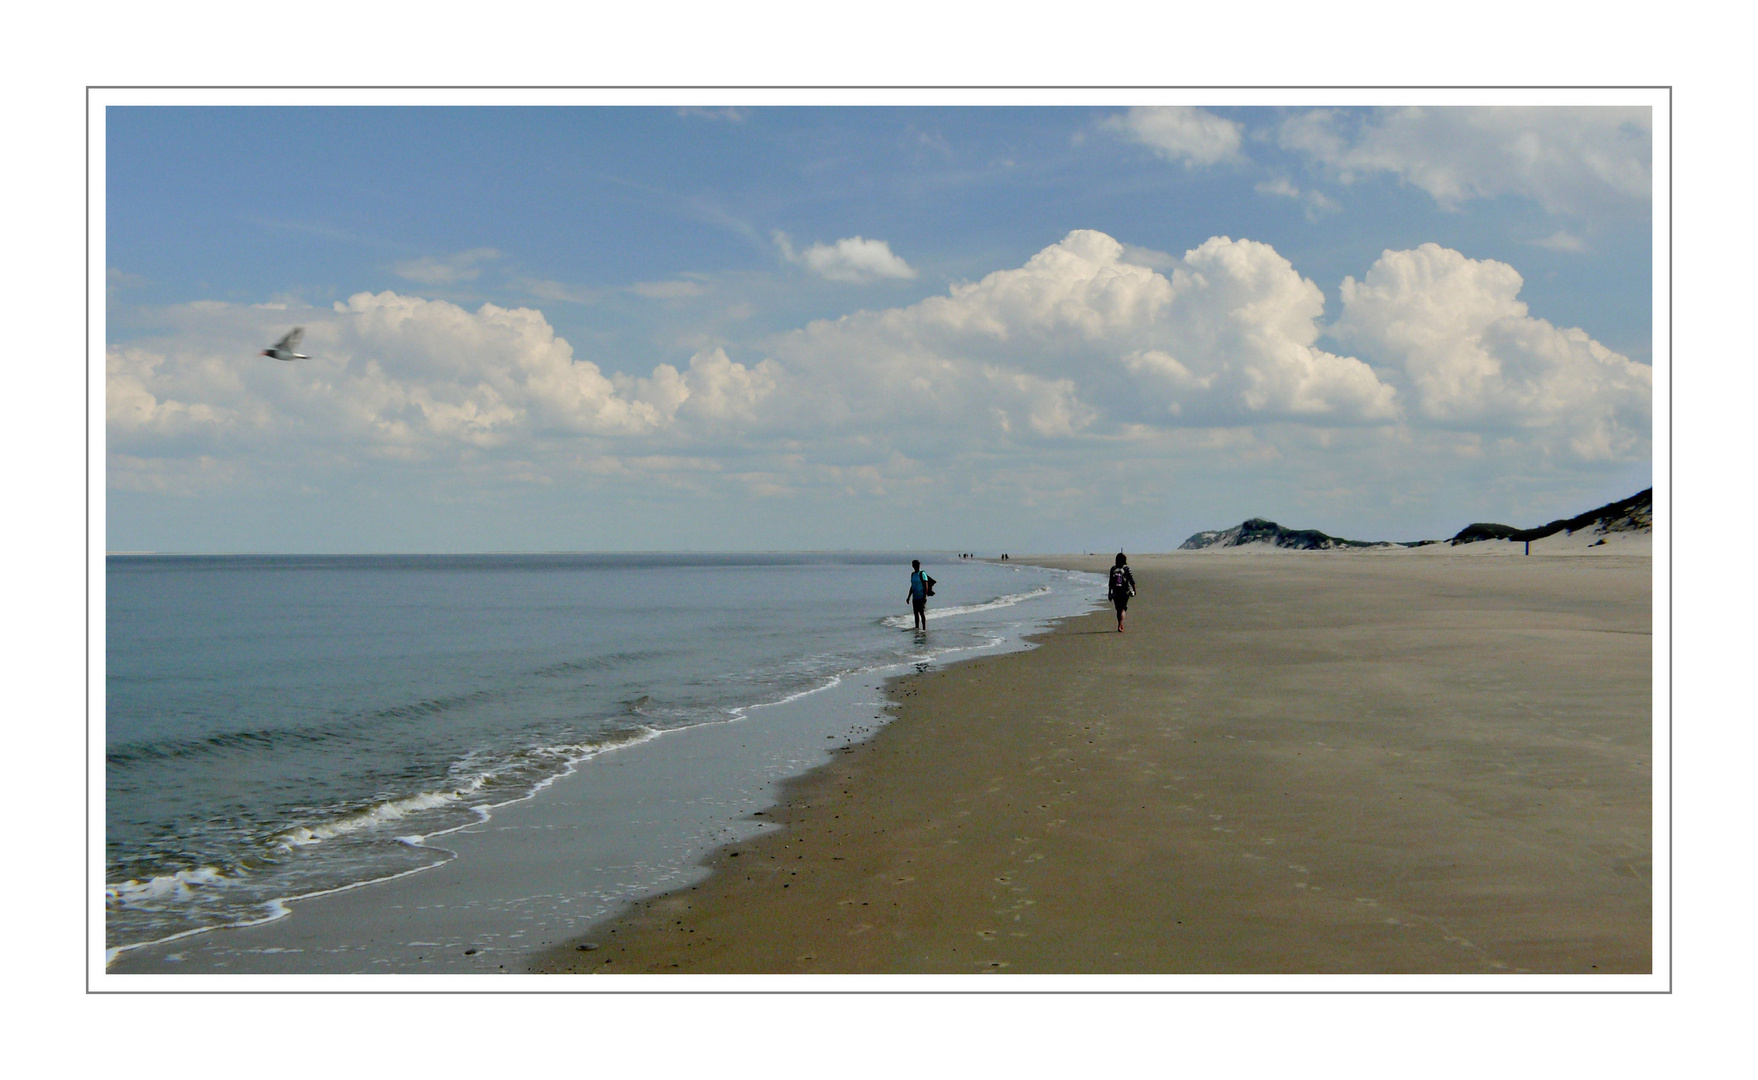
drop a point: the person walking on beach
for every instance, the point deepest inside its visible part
(1122, 587)
(921, 587)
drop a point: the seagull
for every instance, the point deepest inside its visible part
(283, 349)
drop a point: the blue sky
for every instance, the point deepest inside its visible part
(979, 329)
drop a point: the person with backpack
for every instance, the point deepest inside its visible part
(1121, 588)
(921, 587)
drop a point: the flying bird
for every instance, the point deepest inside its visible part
(284, 348)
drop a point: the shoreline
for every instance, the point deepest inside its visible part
(1389, 762)
(613, 827)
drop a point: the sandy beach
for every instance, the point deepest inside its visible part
(1328, 762)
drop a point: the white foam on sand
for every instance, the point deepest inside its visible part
(185, 884)
(904, 622)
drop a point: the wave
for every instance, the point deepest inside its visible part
(269, 738)
(329, 844)
(606, 662)
(904, 622)
(180, 886)
(206, 888)
(532, 769)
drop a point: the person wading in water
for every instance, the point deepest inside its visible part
(1122, 587)
(921, 587)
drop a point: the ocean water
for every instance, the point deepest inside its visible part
(282, 726)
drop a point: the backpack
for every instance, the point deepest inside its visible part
(1119, 581)
(927, 584)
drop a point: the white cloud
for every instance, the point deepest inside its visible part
(668, 290)
(712, 392)
(464, 266)
(1561, 240)
(1570, 160)
(852, 259)
(730, 114)
(201, 474)
(1180, 133)
(1080, 356)
(405, 378)
(1472, 355)
(546, 289)
(1079, 339)
(137, 400)
(1150, 257)
(1314, 204)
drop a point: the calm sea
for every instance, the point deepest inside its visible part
(278, 726)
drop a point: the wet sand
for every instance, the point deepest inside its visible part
(1329, 762)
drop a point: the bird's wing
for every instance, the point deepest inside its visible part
(290, 343)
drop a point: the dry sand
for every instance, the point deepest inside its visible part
(1344, 762)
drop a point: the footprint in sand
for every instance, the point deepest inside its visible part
(988, 935)
(902, 880)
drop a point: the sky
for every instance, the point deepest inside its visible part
(1025, 329)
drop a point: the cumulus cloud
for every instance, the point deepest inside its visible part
(1569, 160)
(1180, 133)
(449, 270)
(1083, 344)
(1472, 356)
(1081, 339)
(407, 378)
(853, 259)
(139, 401)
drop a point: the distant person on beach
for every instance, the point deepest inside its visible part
(921, 587)
(1122, 587)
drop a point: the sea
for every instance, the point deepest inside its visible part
(280, 726)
